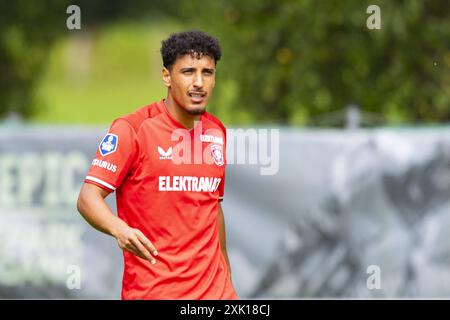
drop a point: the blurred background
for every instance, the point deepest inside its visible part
(360, 205)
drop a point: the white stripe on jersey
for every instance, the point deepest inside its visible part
(103, 183)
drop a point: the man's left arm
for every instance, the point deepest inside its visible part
(222, 236)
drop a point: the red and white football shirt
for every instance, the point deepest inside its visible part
(168, 182)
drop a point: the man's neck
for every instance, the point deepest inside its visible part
(179, 114)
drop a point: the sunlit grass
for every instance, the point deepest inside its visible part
(123, 74)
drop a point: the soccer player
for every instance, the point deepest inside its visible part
(166, 163)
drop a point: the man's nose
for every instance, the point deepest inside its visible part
(198, 81)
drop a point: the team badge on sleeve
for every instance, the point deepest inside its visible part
(108, 144)
(216, 152)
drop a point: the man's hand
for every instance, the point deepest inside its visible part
(134, 241)
(92, 206)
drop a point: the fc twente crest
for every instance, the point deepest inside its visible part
(217, 155)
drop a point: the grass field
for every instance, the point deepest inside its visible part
(92, 79)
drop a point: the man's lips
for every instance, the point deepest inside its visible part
(195, 94)
(197, 97)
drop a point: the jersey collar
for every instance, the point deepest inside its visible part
(172, 120)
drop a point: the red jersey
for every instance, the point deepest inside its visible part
(168, 182)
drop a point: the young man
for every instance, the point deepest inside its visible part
(166, 162)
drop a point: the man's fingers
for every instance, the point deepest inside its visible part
(143, 239)
(142, 250)
(131, 248)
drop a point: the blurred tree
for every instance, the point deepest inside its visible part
(294, 60)
(285, 61)
(29, 28)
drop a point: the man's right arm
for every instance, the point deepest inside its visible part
(92, 206)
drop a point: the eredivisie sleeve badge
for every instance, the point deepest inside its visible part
(108, 144)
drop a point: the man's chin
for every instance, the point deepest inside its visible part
(196, 110)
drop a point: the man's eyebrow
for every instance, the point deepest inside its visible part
(193, 69)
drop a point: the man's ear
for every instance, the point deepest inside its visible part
(166, 77)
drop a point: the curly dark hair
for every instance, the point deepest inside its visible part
(196, 43)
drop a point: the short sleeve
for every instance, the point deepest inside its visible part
(222, 182)
(115, 155)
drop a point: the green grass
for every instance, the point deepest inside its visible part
(123, 74)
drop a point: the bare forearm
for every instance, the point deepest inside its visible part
(228, 261)
(92, 206)
(222, 236)
(97, 213)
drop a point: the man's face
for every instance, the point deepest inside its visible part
(191, 81)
